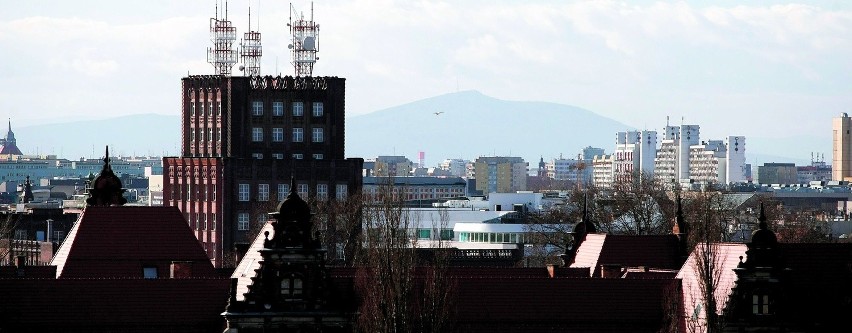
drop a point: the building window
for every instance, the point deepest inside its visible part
(257, 108)
(317, 135)
(298, 134)
(58, 235)
(213, 223)
(303, 190)
(263, 192)
(298, 108)
(278, 134)
(209, 134)
(149, 272)
(278, 109)
(424, 234)
(219, 134)
(341, 191)
(243, 221)
(291, 287)
(322, 191)
(192, 109)
(20, 234)
(446, 234)
(191, 134)
(243, 192)
(278, 156)
(317, 109)
(282, 191)
(209, 108)
(298, 156)
(204, 221)
(257, 134)
(318, 156)
(219, 108)
(760, 304)
(257, 156)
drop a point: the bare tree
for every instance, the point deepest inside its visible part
(396, 294)
(637, 205)
(8, 224)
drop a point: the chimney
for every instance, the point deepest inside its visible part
(180, 269)
(610, 270)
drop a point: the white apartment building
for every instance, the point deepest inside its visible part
(718, 162)
(634, 154)
(602, 171)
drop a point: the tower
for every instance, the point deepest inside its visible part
(244, 137)
(251, 50)
(304, 43)
(222, 55)
(9, 143)
(841, 166)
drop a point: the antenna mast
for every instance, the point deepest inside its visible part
(222, 55)
(251, 50)
(304, 43)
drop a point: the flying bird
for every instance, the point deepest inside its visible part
(438, 113)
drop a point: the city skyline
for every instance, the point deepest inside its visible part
(756, 70)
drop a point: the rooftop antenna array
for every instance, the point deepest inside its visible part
(304, 43)
(222, 55)
(251, 49)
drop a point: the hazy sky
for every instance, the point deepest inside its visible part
(763, 69)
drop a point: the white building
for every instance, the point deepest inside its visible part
(737, 168)
(634, 154)
(456, 167)
(564, 169)
(707, 163)
(602, 174)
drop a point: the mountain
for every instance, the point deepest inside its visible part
(141, 134)
(470, 124)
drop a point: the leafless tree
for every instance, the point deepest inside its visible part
(637, 205)
(8, 224)
(396, 295)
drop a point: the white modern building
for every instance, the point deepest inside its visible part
(456, 167)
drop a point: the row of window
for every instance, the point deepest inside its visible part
(298, 108)
(244, 191)
(280, 156)
(202, 192)
(209, 110)
(201, 221)
(317, 134)
(491, 237)
(444, 234)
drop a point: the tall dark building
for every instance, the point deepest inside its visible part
(243, 139)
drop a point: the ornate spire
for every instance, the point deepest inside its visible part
(27, 195)
(106, 189)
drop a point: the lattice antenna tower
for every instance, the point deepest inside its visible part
(251, 49)
(222, 55)
(304, 44)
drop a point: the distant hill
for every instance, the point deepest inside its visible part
(141, 134)
(471, 124)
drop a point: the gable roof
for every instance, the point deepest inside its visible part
(655, 251)
(118, 241)
(727, 258)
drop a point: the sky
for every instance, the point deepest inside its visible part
(761, 68)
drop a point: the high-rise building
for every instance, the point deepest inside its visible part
(841, 166)
(245, 138)
(501, 174)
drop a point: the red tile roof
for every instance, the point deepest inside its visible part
(654, 251)
(119, 241)
(564, 305)
(113, 305)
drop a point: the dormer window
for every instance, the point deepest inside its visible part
(760, 304)
(291, 287)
